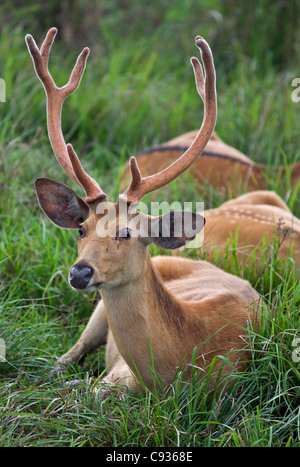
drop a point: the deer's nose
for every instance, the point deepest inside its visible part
(80, 275)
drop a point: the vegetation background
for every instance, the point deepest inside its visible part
(138, 90)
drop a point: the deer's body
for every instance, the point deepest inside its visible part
(220, 165)
(249, 223)
(175, 305)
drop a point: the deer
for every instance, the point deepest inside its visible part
(254, 227)
(221, 166)
(155, 313)
(250, 224)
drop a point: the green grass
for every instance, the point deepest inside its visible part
(137, 91)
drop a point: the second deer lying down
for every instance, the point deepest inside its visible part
(246, 224)
(221, 166)
(173, 304)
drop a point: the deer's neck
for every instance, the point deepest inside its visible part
(141, 313)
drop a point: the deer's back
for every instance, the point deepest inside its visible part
(199, 281)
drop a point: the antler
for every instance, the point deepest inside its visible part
(206, 88)
(65, 154)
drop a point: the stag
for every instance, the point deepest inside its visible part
(154, 312)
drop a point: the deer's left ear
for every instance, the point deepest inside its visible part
(175, 229)
(61, 204)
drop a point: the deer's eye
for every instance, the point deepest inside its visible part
(123, 234)
(81, 231)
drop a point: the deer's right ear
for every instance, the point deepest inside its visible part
(61, 204)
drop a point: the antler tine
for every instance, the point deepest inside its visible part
(206, 87)
(55, 98)
(94, 192)
(199, 77)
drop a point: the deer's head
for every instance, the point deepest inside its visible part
(113, 237)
